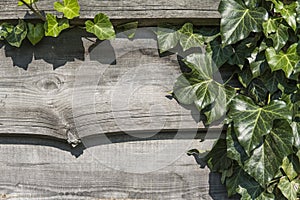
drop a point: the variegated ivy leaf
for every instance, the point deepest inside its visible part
(287, 11)
(167, 38)
(53, 27)
(5, 28)
(252, 122)
(289, 188)
(188, 38)
(267, 158)
(17, 34)
(101, 27)
(70, 8)
(29, 2)
(238, 20)
(200, 88)
(283, 61)
(35, 33)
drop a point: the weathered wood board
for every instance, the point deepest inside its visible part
(61, 89)
(147, 12)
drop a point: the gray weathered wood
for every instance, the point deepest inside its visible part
(45, 172)
(126, 97)
(173, 11)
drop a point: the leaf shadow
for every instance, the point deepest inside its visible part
(103, 52)
(56, 51)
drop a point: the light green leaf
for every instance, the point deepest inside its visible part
(237, 20)
(269, 27)
(27, 1)
(167, 38)
(296, 131)
(101, 27)
(17, 34)
(266, 160)
(128, 29)
(220, 54)
(280, 37)
(35, 33)
(70, 8)
(53, 27)
(188, 38)
(5, 29)
(287, 166)
(289, 188)
(252, 122)
(287, 11)
(283, 61)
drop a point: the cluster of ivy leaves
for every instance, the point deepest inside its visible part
(52, 25)
(259, 103)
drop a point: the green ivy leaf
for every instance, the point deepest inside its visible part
(240, 179)
(237, 20)
(246, 195)
(272, 79)
(17, 34)
(296, 131)
(252, 122)
(217, 158)
(167, 38)
(288, 166)
(200, 88)
(269, 27)
(283, 61)
(220, 54)
(101, 27)
(53, 27)
(266, 160)
(30, 2)
(289, 188)
(70, 8)
(188, 38)
(35, 33)
(287, 11)
(5, 29)
(280, 37)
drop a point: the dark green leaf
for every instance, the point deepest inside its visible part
(237, 20)
(188, 38)
(283, 61)
(167, 38)
(101, 27)
(266, 160)
(220, 54)
(70, 8)
(252, 122)
(17, 35)
(217, 158)
(242, 183)
(245, 76)
(54, 27)
(35, 33)
(289, 188)
(258, 91)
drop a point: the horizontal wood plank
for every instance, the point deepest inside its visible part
(45, 172)
(146, 11)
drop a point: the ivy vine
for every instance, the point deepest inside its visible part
(259, 40)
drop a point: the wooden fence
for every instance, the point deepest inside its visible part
(41, 154)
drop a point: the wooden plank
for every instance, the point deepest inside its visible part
(46, 172)
(146, 11)
(83, 95)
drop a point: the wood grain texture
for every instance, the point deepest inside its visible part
(44, 172)
(197, 11)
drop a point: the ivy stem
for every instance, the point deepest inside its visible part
(37, 13)
(229, 79)
(269, 99)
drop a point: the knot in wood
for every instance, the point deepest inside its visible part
(51, 83)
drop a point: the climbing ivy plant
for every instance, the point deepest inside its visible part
(259, 103)
(52, 25)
